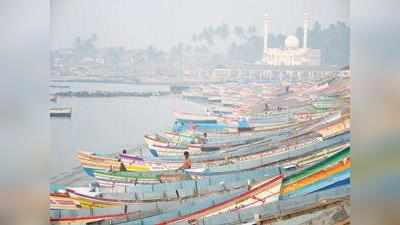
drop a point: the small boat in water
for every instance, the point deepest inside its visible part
(53, 98)
(195, 118)
(59, 86)
(60, 112)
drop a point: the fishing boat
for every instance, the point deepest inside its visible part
(53, 98)
(207, 210)
(256, 150)
(129, 158)
(60, 112)
(228, 132)
(194, 96)
(261, 193)
(175, 149)
(214, 99)
(320, 175)
(90, 199)
(334, 169)
(157, 140)
(185, 137)
(230, 126)
(92, 162)
(325, 104)
(169, 209)
(195, 118)
(333, 160)
(246, 158)
(335, 180)
(253, 160)
(63, 201)
(179, 178)
(182, 126)
(169, 192)
(263, 147)
(230, 102)
(59, 86)
(287, 211)
(172, 150)
(124, 179)
(93, 219)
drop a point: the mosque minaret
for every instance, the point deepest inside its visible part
(267, 21)
(305, 28)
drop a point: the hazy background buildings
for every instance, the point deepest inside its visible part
(164, 40)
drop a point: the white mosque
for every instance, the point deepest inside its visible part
(292, 54)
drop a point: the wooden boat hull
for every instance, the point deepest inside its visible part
(89, 219)
(195, 118)
(318, 176)
(91, 163)
(115, 178)
(131, 159)
(63, 201)
(324, 173)
(338, 179)
(250, 161)
(151, 140)
(331, 161)
(174, 151)
(107, 179)
(187, 179)
(141, 194)
(265, 192)
(87, 201)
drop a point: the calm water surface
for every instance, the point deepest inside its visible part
(106, 125)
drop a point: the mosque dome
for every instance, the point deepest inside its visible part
(292, 42)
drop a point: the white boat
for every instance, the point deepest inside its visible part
(195, 118)
(155, 140)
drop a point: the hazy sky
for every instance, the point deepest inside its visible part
(139, 23)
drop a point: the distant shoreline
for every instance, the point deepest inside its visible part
(136, 82)
(95, 81)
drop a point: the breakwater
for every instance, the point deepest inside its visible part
(88, 94)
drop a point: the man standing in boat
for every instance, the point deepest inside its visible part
(187, 162)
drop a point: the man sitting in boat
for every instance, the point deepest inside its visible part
(187, 162)
(110, 169)
(121, 166)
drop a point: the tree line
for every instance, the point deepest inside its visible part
(235, 44)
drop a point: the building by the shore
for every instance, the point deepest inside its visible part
(292, 54)
(291, 63)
